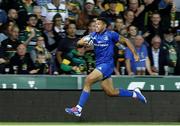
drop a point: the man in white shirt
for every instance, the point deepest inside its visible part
(154, 53)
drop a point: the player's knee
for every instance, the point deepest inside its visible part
(89, 80)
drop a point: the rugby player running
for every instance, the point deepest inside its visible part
(104, 41)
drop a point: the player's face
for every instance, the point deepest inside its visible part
(100, 26)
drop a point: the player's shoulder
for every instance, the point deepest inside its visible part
(111, 32)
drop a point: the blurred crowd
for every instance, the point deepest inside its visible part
(40, 36)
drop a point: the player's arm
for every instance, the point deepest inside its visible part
(81, 42)
(123, 40)
(85, 41)
(128, 67)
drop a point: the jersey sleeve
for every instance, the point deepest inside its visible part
(92, 34)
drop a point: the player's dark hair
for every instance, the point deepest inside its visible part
(104, 20)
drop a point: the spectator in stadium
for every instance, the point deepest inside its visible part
(111, 15)
(24, 8)
(86, 15)
(55, 7)
(49, 36)
(30, 34)
(40, 49)
(154, 28)
(74, 62)
(21, 62)
(12, 15)
(68, 43)
(135, 6)
(41, 65)
(128, 18)
(167, 11)
(41, 56)
(51, 43)
(11, 43)
(119, 27)
(73, 10)
(37, 11)
(5, 30)
(150, 6)
(91, 27)
(58, 26)
(138, 8)
(99, 6)
(139, 67)
(156, 55)
(170, 52)
(120, 7)
(132, 33)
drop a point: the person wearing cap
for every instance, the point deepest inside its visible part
(86, 15)
(103, 41)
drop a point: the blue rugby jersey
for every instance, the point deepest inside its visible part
(104, 45)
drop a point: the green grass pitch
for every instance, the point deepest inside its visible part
(91, 124)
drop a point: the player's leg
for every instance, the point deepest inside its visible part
(109, 89)
(107, 86)
(93, 77)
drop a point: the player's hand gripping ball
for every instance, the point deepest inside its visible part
(88, 40)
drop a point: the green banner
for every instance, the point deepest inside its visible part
(170, 83)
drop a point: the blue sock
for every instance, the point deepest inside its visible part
(83, 98)
(125, 93)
